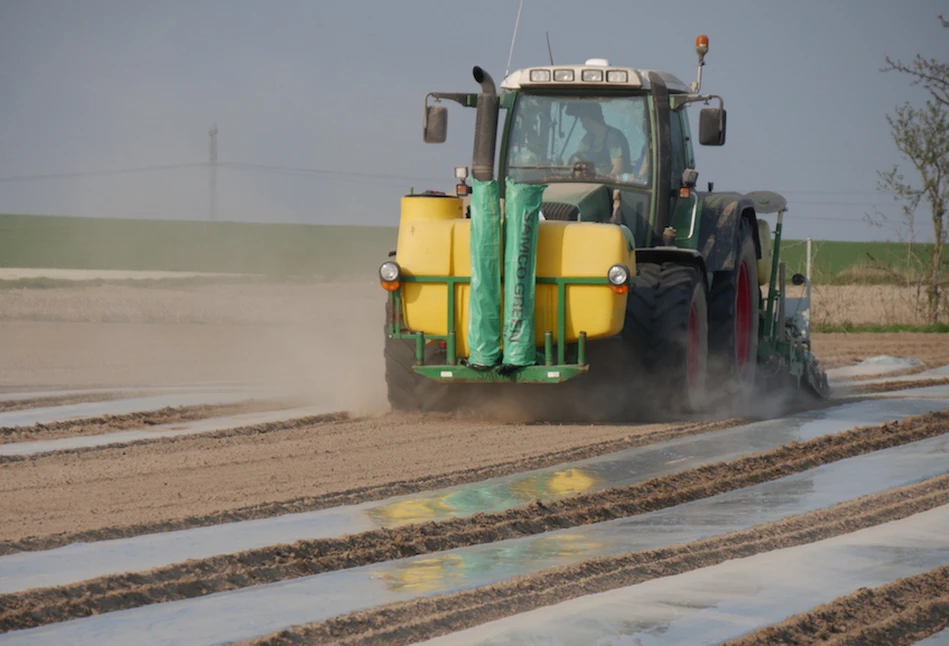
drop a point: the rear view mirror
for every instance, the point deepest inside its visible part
(712, 126)
(435, 125)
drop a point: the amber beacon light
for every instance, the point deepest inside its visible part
(701, 45)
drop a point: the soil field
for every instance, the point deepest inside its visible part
(870, 305)
(297, 466)
(306, 558)
(307, 333)
(836, 350)
(301, 301)
(416, 527)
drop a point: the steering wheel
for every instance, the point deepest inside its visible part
(581, 167)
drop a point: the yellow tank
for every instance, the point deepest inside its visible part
(431, 207)
(767, 253)
(434, 241)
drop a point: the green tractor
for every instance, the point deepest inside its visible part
(590, 271)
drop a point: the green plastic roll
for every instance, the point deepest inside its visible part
(521, 215)
(484, 303)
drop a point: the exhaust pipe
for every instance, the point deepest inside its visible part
(484, 80)
(486, 127)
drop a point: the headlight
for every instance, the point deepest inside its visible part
(540, 76)
(618, 275)
(389, 272)
(617, 76)
(563, 75)
(594, 76)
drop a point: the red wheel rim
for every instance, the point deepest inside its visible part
(692, 350)
(743, 318)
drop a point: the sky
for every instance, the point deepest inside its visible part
(318, 104)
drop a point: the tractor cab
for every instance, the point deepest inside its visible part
(588, 133)
(610, 143)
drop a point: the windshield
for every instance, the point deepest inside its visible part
(560, 138)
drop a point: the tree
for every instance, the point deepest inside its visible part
(921, 134)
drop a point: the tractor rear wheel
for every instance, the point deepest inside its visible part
(733, 317)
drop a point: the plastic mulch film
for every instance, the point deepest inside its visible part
(521, 210)
(484, 306)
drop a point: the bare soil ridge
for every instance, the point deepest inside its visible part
(63, 400)
(236, 432)
(890, 386)
(896, 614)
(304, 558)
(111, 423)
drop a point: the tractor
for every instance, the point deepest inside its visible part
(590, 270)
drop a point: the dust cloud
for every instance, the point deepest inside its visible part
(772, 393)
(320, 342)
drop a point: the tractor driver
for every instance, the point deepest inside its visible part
(603, 145)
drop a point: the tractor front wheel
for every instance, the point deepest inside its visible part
(407, 390)
(679, 347)
(402, 383)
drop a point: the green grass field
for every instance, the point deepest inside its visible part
(66, 242)
(836, 262)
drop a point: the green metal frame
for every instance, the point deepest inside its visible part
(775, 261)
(552, 371)
(772, 342)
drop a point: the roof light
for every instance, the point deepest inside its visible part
(563, 75)
(540, 76)
(592, 76)
(598, 62)
(617, 76)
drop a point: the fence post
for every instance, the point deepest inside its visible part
(807, 315)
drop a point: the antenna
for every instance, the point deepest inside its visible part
(549, 51)
(516, 22)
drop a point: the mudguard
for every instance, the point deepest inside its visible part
(660, 255)
(718, 229)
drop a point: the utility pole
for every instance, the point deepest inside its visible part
(212, 165)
